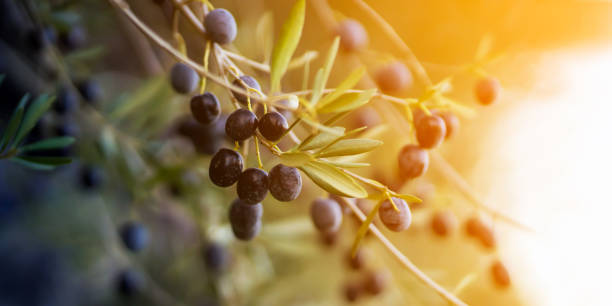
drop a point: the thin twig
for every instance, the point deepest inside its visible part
(188, 13)
(123, 6)
(397, 40)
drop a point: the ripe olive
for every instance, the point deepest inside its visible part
(487, 90)
(396, 221)
(241, 124)
(220, 26)
(430, 131)
(413, 161)
(393, 77)
(273, 126)
(183, 78)
(245, 219)
(285, 183)
(326, 215)
(252, 186)
(225, 167)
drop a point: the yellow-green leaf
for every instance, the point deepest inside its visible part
(320, 126)
(343, 164)
(350, 147)
(295, 159)
(347, 84)
(287, 43)
(322, 139)
(333, 180)
(323, 74)
(363, 229)
(408, 197)
(348, 101)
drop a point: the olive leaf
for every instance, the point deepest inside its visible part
(14, 123)
(333, 180)
(323, 73)
(409, 198)
(264, 32)
(320, 126)
(343, 164)
(348, 101)
(322, 139)
(41, 163)
(48, 144)
(347, 84)
(295, 159)
(34, 112)
(350, 147)
(147, 91)
(287, 43)
(88, 54)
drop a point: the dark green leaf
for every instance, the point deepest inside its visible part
(41, 163)
(32, 115)
(13, 125)
(287, 43)
(47, 144)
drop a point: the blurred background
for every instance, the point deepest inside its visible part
(538, 155)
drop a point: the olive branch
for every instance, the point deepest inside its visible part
(314, 155)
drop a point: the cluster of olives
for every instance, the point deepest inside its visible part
(252, 185)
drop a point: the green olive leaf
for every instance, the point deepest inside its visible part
(322, 139)
(32, 115)
(295, 159)
(347, 84)
(348, 102)
(323, 73)
(287, 43)
(14, 123)
(41, 163)
(350, 147)
(48, 144)
(333, 180)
